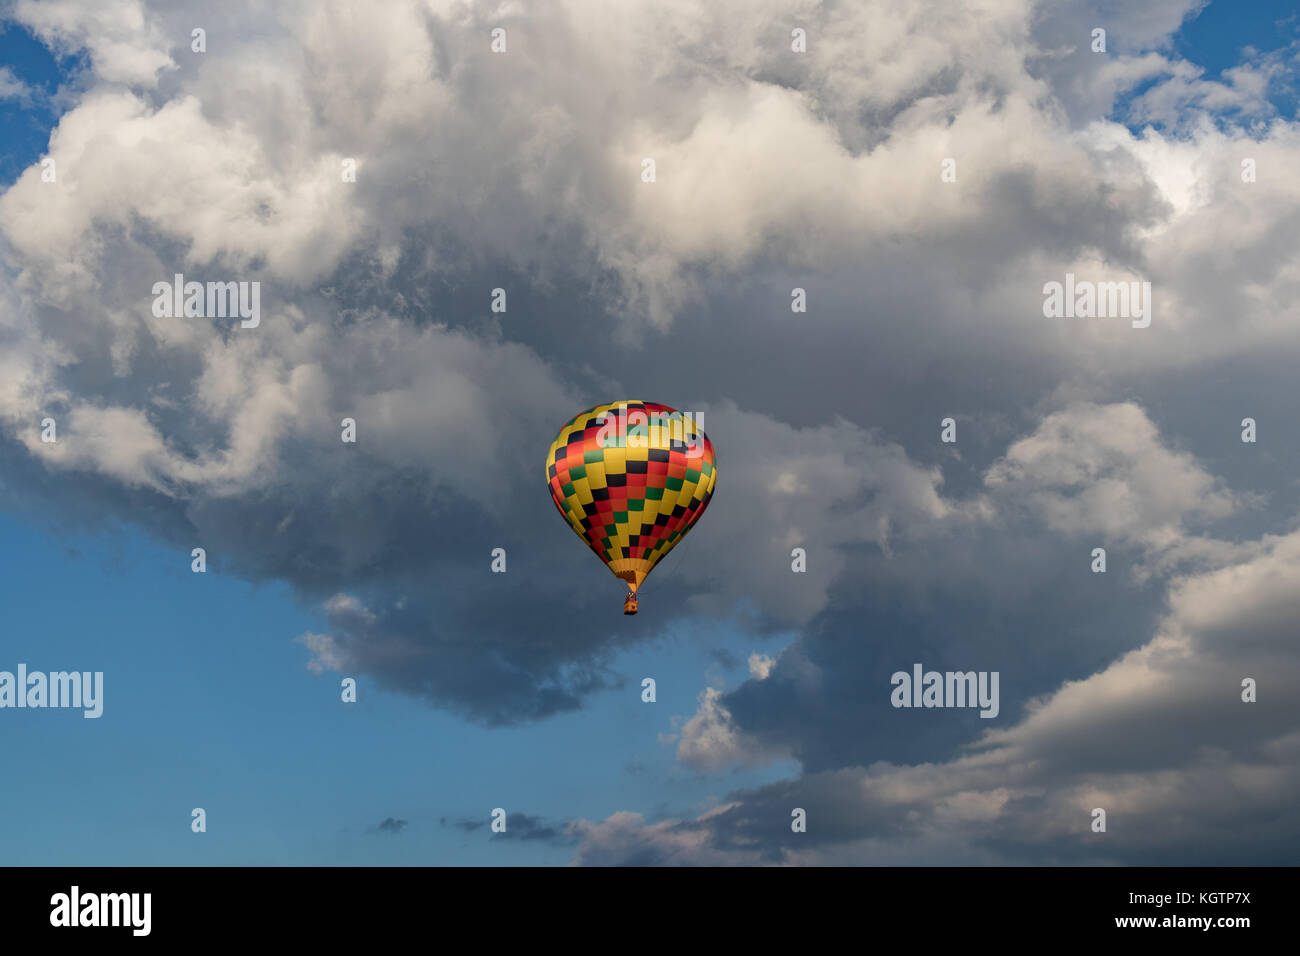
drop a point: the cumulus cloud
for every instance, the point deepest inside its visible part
(760, 666)
(1161, 739)
(710, 739)
(123, 37)
(1103, 469)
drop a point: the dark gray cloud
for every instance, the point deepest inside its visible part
(521, 826)
(1162, 738)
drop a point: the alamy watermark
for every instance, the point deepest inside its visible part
(923, 688)
(75, 908)
(74, 689)
(215, 300)
(636, 429)
(1098, 300)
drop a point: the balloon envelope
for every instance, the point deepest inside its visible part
(631, 478)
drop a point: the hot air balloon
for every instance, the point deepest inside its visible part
(631, 478)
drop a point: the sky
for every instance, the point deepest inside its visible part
(522, 170)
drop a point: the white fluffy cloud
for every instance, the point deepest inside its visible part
(819, 160)
(710, 739)
(1104, 469)
(123, 37)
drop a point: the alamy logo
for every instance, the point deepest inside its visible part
(636, 429)
(948, 689)
(216, 300)
(1098, 300)
(56, 689)
(102, 909)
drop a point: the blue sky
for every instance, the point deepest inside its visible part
(209, 701)
(27, 122)
(1216, 38)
